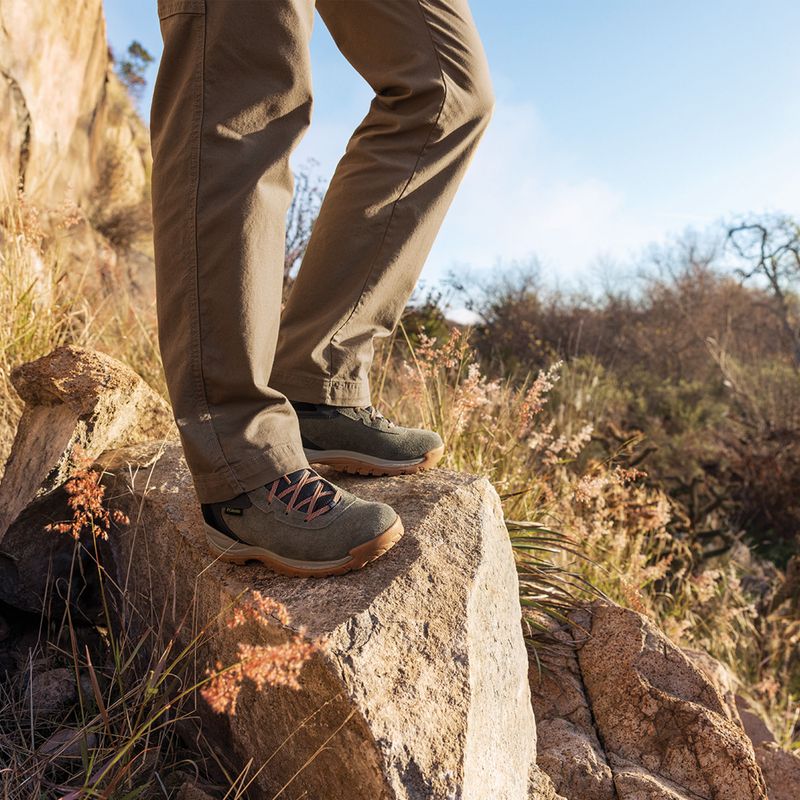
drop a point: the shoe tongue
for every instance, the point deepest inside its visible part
(291, 478)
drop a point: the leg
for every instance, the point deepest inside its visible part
(390, 191)
(232, 100)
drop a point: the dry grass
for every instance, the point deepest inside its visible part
(137, 682)
(45, 302)
(586, 520)
(594, 522)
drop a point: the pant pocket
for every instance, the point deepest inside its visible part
(167, 8)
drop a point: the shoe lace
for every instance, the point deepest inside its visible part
(304, 487)
(376, 415)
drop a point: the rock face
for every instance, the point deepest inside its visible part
(72, 143)
(421, 692)
(780, 768)
(570, 751)
(626, 715)
(59, 115)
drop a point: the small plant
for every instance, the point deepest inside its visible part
(263, 665)
(86, 495)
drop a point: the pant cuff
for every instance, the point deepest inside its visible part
(276, 460)
(313, 389)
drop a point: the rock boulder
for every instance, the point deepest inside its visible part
(626, 715)
(78, 403)
(421, 691)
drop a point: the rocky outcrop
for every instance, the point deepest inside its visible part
(420, 690)
(72, 143)
(625, 715)
(780, 768)
(78, 403)
(61, 118)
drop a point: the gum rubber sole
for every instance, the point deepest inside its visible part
(227, 549)
(355, 466)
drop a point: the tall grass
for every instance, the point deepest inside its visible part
(48, 298)
(582, 517)
(585, 519)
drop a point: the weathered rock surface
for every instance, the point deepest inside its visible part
(422, 690)
(569, 749)
(623, 703)
(72, 142)
(52, 691)
(780, 768)
(60, 119)
(190, 791)
(78, 403)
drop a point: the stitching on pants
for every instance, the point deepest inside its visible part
(200, 386)
(371, 269)
(167, 8)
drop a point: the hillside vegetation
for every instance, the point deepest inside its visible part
(645, 444)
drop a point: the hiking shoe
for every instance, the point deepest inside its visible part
(301, 524)
(363, 441)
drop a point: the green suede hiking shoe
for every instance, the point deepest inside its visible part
(303, 525)
(363, 441)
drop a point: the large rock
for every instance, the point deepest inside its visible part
(421, 691)
(780, 768)
(78, 404)
(622, 702)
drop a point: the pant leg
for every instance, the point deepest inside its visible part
(232, 99)
(390, 191)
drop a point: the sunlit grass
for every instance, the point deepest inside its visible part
(582, 519)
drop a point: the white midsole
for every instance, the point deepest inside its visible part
(226, 546)
(316, 456)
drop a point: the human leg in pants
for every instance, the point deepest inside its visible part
(385, 204)
(232, 100)
(390, 192)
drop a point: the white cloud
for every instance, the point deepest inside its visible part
(518, 199)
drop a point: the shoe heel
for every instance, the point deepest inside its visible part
(225, 548)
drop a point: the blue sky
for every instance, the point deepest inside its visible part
(618, 123)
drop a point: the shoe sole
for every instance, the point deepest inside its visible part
(360, 464)
(227, 549)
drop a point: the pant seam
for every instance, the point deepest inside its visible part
(299, 377)
(199, 375)
(403, 191)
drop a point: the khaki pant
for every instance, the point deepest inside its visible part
(232, 99)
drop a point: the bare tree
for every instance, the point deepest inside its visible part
(309, 190)
(770, 246)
